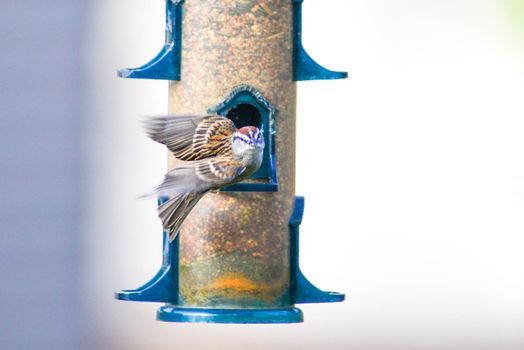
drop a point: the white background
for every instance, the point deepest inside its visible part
(412, 169)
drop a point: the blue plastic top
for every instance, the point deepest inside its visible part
(304, 67)
(166, 64)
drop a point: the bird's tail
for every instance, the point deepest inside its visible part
(175, 210)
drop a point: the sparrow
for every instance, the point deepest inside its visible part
(217, 154)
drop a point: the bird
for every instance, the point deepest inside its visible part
(215, 154)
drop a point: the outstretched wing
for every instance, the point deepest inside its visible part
(201, 175)
(192, 137)
(185, 185)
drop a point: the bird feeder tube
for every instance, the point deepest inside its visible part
(236, 257)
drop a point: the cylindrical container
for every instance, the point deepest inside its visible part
(236, 257)
(234, 246)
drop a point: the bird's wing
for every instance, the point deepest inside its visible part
(185, 185)
(201, 175)
(192, 137)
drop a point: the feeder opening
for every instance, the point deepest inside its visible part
(246, 106)
(245, 114)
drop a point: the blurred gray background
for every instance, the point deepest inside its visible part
(42, 114)
(422, 224)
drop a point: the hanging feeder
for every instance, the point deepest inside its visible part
(236, 257)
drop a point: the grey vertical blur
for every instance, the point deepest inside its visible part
(41, 103)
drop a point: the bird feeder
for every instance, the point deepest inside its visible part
(236, 257)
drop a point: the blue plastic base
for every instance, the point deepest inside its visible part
(164, 288)
(178, 314)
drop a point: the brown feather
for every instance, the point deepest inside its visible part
(192, 137)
